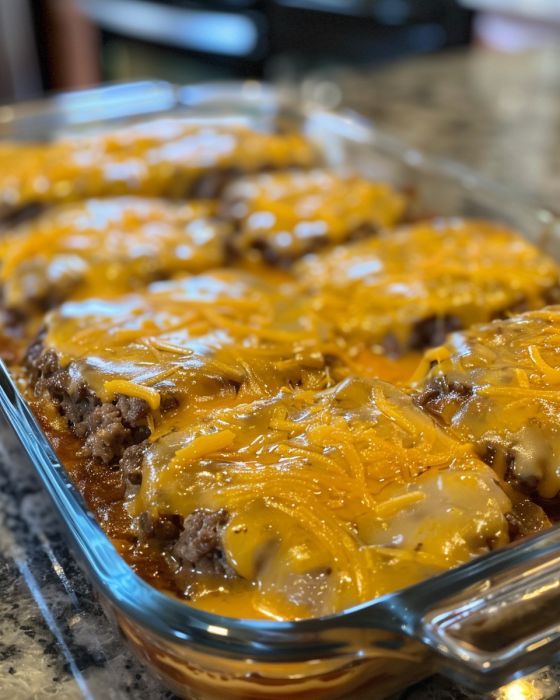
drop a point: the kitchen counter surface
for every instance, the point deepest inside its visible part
(500, 114)
(495, 112)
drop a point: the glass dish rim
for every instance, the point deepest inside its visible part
(175, 619)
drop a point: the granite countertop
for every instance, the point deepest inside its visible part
(499, 114)
(495, 112)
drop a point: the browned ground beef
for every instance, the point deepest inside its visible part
(131, 464)
(11, 319)
(432, 331)
(552, 295)
(165, 528)
(440, 392)
(212, 184)
(33, 356)
(19, 215)
(524, 519)
(108, 433)
(285, 258)
(443, 398)
(107, 428)
(199, 546)
(426, 333)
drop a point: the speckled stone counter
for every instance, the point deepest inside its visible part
(499, 114)
(54, 639)
(495, 112)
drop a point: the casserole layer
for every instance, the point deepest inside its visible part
(166, 157)
(309, 502)
(177, 348)
(224, 426)
(407, 288)
(496, 385)
(106, 247)
(281, 216)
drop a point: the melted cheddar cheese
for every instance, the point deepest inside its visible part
(227, 335)
(498, 385)
(229, 427)
(332, 497)
(457, 271)
(106, 246)
(283, 215)
(166, 157)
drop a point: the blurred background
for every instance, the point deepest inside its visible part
(61, 44)
(64, 44)
(475, 80)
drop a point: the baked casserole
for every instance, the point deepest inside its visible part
(166, 157)
(496, 385)
(231, 379)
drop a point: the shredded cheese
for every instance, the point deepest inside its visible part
(394, 505)
(552, 374)
(122, 386)
(201, 446)
(312, 477)
(143, 159)
(512, 395)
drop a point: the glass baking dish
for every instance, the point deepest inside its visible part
(481, 624)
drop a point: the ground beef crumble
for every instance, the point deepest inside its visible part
(199, 546)
(107, 428)
(131, 463)
(439, 392)
(432, 331)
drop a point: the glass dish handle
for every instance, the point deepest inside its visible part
(495, 620)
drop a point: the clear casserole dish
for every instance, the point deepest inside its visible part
(481, 624)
